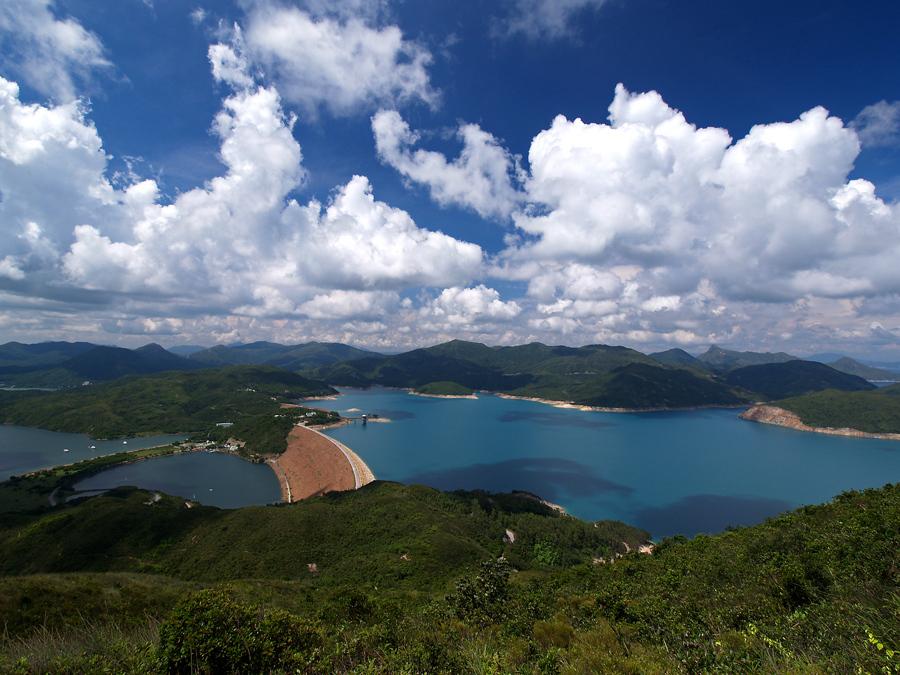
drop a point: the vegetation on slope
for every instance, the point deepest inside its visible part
(876, 411)
(792, 378)
(810, 591)
(636, 386)
(591, 375)
(357, 537)
(723, 360)
(678, 358)
(853, 367)
(444, 389)
(97, 364)
(42, 354)
(249, 397)
(290, 357)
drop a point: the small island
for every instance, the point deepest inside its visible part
(444, 389)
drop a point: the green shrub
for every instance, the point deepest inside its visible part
(210, 633)
(483, 600)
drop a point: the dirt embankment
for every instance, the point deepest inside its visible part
(770, 414)
(314, 464)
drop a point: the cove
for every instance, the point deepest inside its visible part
(670, 473)
(211, 478)
(25, 449)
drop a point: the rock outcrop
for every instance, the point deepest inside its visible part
(770, 414)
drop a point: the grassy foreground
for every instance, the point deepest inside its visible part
(407, 579)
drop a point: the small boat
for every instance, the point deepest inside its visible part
(93, 447)
(65, 449)
(124, 442)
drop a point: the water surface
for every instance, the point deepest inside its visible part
(24, 449)
(668, 472)
(212, 478)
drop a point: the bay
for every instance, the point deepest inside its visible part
(25, 449)
(682, 472)
(211, 478)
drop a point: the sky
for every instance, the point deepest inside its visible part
(393, 174)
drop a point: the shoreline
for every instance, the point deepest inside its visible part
(568, 405)
(779, 417)
(314, 464)
(471, 396)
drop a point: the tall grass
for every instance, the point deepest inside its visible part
(85, 646)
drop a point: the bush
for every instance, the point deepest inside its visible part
(210, 633)
(483, 600)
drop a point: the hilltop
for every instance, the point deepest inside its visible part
(853, 367)
(392, 578)
(594, 375)
(876, 411)
(792, 378)
(173, 402)
(92, 363)
(290, 357)
(723, 360)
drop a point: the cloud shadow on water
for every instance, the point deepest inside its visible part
(549, 477)
(708, 514)
(553, 419)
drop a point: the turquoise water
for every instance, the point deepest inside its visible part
(211, 478)
(24, 449)
(670, 473)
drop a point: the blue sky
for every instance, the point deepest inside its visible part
(628, 237)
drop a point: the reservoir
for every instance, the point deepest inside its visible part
(24, 449)
(668, 472)
(212, 478)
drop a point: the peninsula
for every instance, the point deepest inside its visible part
(771, 414)
(865, 414)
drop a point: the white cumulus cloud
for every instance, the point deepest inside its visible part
(240, 243)
(51, 53)
(340, 62)
(481, 178)
(466, 306)
(878, 125)
(551, 19)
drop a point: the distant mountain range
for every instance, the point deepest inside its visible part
(853, 367)
(289, 357)
(90, 364)
(595, 375)
(722, 360)
(793, 378)
(68, 364)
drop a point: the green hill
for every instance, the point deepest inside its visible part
(876, 411)
(248, 396)
(289, 357)
(98, 364)
(678, 358)
(591, 375)
(406, 579)
(792, 378)
(854, 367)
(39, 355)
(444, 389)
(723, 360)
